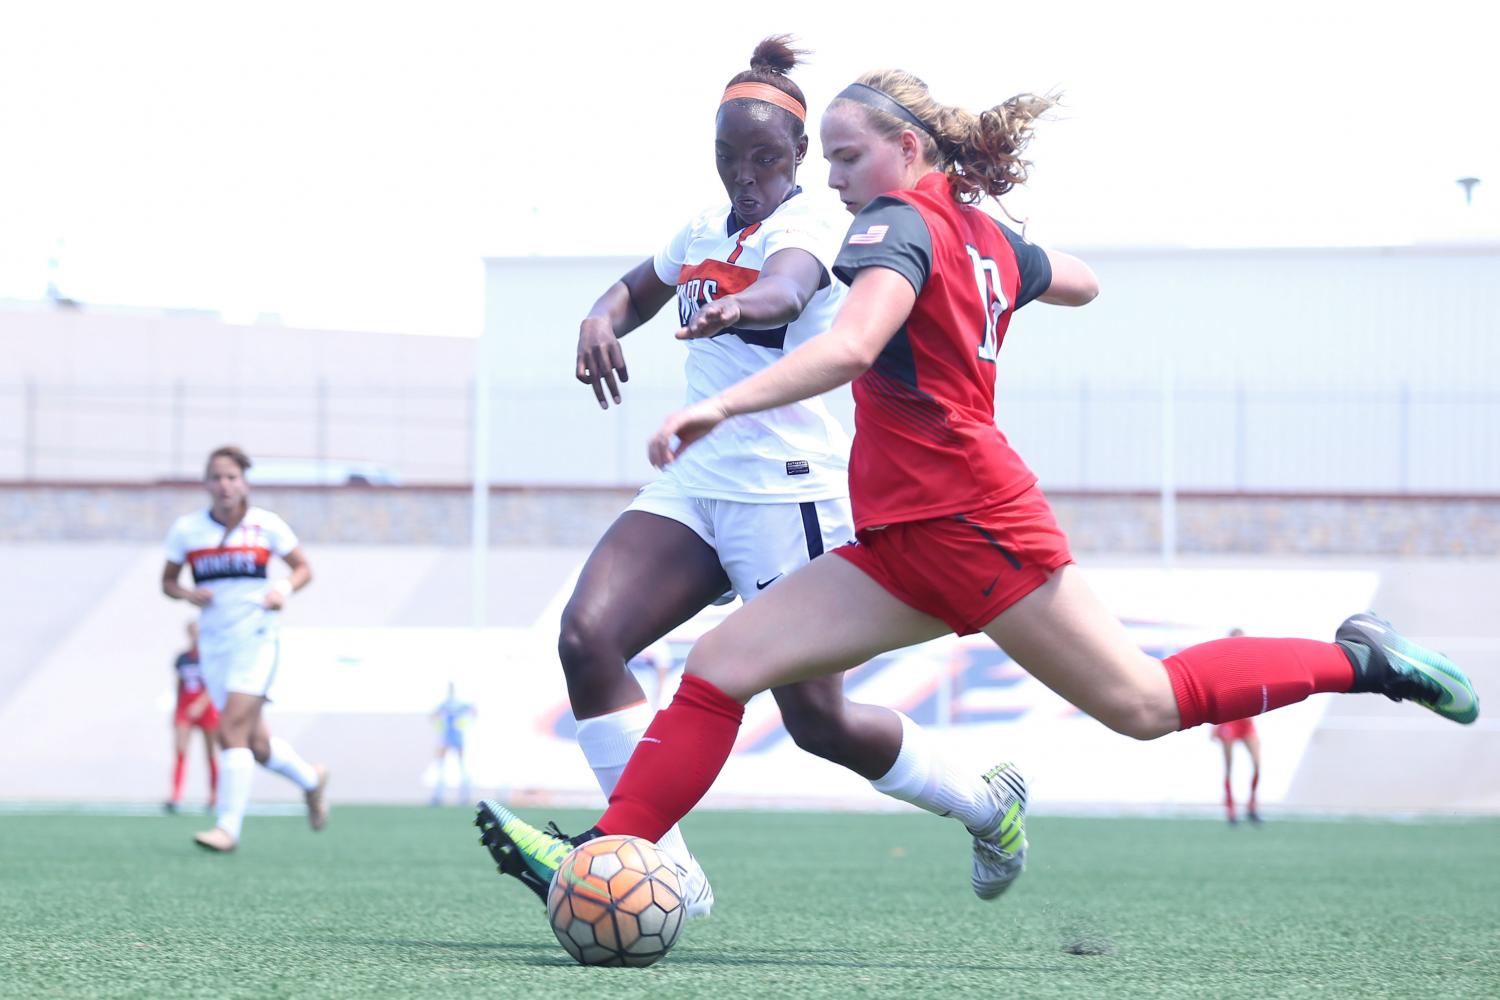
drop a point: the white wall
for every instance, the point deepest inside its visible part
(1339, 370)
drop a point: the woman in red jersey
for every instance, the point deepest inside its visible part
(195, 710)
(1227, 734)
(953, 535)
(753, 279)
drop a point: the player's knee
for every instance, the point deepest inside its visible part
(1139, 718)
(721, 662)
(583, 646)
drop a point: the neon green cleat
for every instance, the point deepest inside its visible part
(1388, 663)
(1000, 853)
(511, 839)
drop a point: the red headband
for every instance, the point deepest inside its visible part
(769, 94)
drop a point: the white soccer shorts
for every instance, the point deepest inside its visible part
(246, 667)
(757, 543)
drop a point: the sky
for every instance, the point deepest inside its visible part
(348, 165)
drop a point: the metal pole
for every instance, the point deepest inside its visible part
(29, 433)
(1403, 440)
(1083, 433)
(321, 430)
(479, 507)
(1241, 436)
(178, 406)
(1168, 463)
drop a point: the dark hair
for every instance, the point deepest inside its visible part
(772, 59)
(981, 154)
(233, 452)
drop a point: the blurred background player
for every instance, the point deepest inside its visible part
(754, 503)
(1228, 734)
(229, 547)
(954, 535)
(452, 717)
(195, 710)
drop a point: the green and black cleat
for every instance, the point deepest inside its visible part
(497, 825)
(1388, 663)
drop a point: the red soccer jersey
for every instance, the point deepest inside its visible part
(925, 442)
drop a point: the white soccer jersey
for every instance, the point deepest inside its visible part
(233, 566)
(792, 453)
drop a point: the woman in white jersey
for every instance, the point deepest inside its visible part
(229, 548)
(749, 505)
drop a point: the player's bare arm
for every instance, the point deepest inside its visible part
(625, 305)
(879, 302)
(198, 597)
(1073, 282)
(301, 577)
(787, 283)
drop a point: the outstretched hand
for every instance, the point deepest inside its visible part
(686, 426)
(713, 318)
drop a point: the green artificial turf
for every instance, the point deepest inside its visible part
(397, 902)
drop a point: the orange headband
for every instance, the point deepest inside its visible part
(769, 94)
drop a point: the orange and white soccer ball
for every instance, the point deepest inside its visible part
(616, 901)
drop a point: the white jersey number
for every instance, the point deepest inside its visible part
(987, 278)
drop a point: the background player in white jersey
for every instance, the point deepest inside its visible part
(748, 505)
(229, 548)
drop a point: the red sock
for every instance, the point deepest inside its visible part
(683, 751)
(1228, 797)
(1254, 786)
(179, 770)
(1229, 679)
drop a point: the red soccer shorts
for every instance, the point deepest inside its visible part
(208, 720)
(1239, 729)
(965, 568)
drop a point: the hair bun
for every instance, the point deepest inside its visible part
(776, 55)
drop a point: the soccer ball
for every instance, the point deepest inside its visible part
(616, 901)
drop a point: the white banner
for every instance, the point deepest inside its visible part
(980, 705)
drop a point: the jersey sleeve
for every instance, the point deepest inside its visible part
(813, 233)
(283, 539)
(1032, 262)
(176, 544)
(887, 233)
(670, 258)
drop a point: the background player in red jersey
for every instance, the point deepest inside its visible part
(953, 533)
(1228, 734)
(752, 279)
(195, 710)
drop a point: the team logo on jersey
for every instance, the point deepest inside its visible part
(875, 234)
(699, 285)
(229, 563)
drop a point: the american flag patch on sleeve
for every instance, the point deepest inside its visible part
(872, 235)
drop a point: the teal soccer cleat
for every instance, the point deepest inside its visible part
(1385, 662)
(520, 850)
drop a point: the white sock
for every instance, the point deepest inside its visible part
(922, 778)
(288, 763)
(607, 742)
(236, 769)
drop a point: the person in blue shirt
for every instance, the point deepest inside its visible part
(451, 717)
